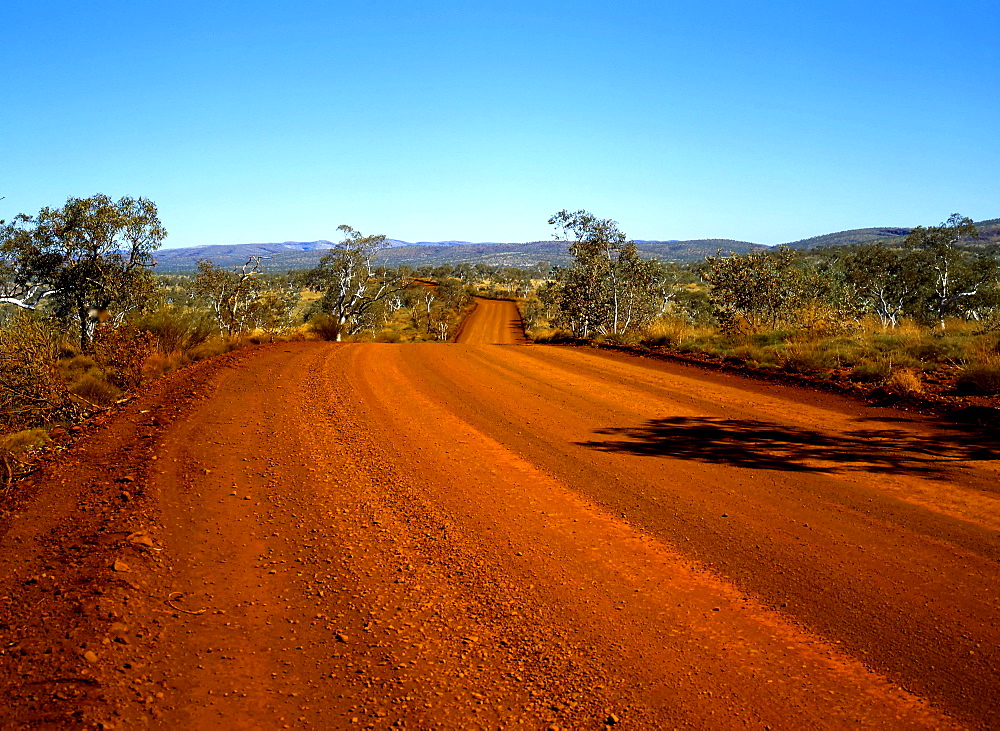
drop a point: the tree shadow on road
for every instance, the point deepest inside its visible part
(762, 445)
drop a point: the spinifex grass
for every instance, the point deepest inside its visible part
(869, 352)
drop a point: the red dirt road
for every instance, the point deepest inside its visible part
(476, 535)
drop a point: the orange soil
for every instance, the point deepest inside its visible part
(478, 535)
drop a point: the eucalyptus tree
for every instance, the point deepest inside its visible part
(956, 276)
(609, 288)
(90, 259)
(351, 284)
(756, 291)
(891, 283)
(241, 299)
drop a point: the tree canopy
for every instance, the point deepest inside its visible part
(90, 259)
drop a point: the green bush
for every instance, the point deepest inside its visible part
(869, 371)
(324, 326)
(939, 350)
(176, 328)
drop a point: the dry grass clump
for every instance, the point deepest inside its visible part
(211, 348)
(673, 332)
(896, 358)
(904, 382)
(871, 371)
(176, 328)
(95, 390)
(805, 358)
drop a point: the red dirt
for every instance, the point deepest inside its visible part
(480, 535)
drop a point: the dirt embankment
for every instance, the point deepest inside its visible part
(319, 535)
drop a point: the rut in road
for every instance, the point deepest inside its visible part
(496, 534)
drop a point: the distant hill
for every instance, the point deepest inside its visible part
(288, 255)
(301, 255)
(853, 236)
(989, 233)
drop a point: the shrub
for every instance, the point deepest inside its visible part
(325, 327)
(122, 351)
(16, 448)
(33, 392)
(95, 390)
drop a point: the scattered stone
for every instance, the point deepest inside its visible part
(140, 538)
(89, 656)
(121, 566)
(341, 637)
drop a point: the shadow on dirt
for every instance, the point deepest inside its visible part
(761, 445)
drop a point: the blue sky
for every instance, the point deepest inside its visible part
(253, 121)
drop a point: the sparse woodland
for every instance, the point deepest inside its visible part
(85, 318)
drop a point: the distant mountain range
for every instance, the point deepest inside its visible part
(288, 255)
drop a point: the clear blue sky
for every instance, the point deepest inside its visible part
(264, 121)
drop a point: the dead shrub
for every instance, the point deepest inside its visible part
(32, 392)
(16, 450)
(121, 351)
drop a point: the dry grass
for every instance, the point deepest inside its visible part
(95, 390)
(895, 357)
(904, 382)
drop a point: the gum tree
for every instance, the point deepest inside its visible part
(90, 259)
(956, 277)
(352, 286)
(609, 288)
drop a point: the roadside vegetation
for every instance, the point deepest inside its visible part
(909, 318)
(85, 320)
